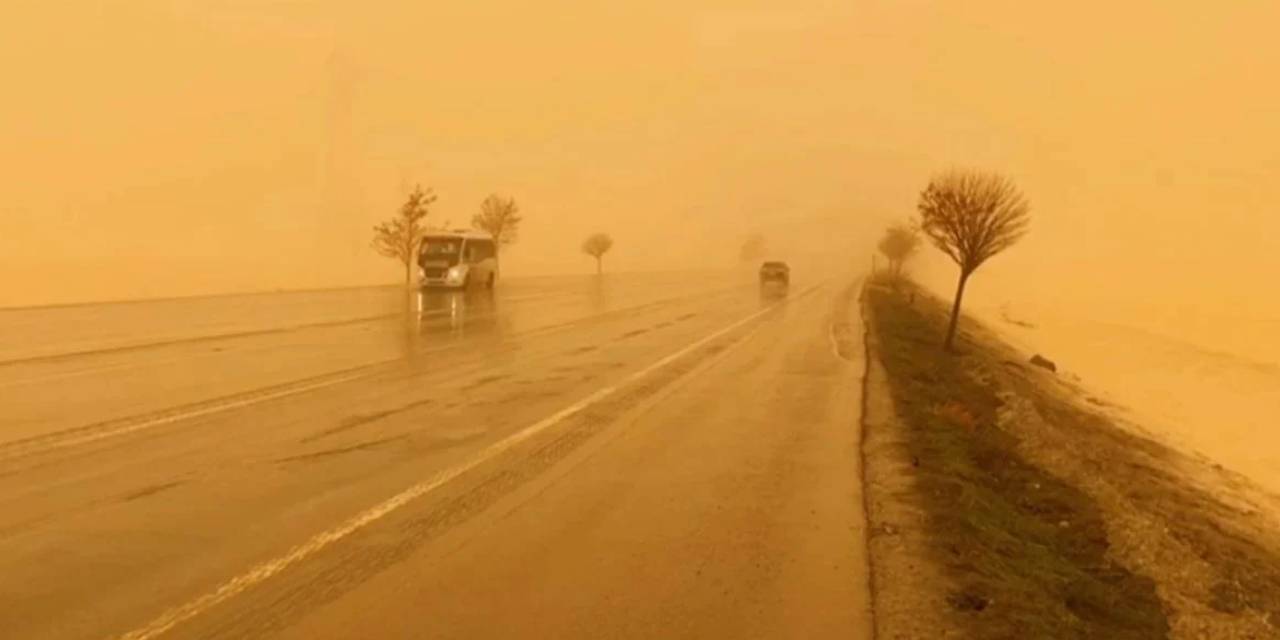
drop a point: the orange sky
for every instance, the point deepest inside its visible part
(170, 147)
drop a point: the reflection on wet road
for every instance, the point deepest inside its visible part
(773, 292)
(475, 312)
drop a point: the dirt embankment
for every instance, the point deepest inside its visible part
(1002, 504)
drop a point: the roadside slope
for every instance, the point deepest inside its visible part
(1016, 509)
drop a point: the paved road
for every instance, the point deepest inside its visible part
(627, 460)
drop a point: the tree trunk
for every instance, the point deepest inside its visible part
(408, 273)
(599, 265)
(955, 310)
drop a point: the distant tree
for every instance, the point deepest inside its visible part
(752, 249)
(899, 243)
(596, 245)
(500, 217)
(971, 216)
(399, 237)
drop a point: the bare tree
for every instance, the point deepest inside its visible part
(399, 237)
(899, 243)
(971, 216)
(500, 217)
(596, 245)
(752, 249)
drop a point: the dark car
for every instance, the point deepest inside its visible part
(775, 273)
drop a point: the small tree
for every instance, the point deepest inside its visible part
(752, 249)
(971, 216)
(899, 243)
(399, 237)
(500, 217)
(596, 245)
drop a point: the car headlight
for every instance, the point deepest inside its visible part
(455, 273)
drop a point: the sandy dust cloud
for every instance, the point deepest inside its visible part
(671, 432)
(178, 147)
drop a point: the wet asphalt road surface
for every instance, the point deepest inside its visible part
(638, 457)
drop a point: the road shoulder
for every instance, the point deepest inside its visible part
(1043, 515)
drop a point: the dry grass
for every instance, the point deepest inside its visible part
(1050, 520)
(1026, 553)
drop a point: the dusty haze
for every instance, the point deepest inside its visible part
(157, 148)
(676, 445)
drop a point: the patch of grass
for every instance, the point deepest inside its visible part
(1244, 561)
(1027, 552)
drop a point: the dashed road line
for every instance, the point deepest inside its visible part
(270, 568)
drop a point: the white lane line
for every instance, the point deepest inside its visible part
(53, 442)
(836, 343)
(185, 415)
(266, 570)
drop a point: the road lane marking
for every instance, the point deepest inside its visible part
(839, 320)
(101, 431)
(211, 337)
(187, 415)
(270, 568)
(108, 349)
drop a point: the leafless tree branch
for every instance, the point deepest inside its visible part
(971, 216)
(398, 237)
(596, 245)
(500, 217)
